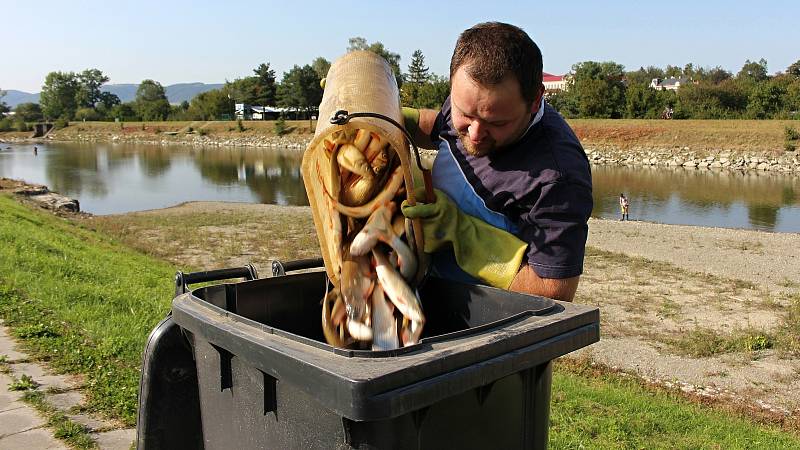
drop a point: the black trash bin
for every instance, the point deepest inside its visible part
(265, 378)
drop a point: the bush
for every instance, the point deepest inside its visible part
(85, 114)
(60, 123)
(239, 125)
(6, 125)
(789, 146)
(280, 126)
(202, 132)
(20, 125)
(791, 134)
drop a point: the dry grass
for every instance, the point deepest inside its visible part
(746, 135)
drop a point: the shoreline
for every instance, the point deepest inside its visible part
(598, 152)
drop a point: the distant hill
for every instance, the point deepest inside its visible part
(14, 98)
(176, 93)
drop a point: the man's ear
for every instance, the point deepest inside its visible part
(538, 101)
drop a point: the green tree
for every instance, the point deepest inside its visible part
(433, 92)
(244, 90)
(3, 106)
(413, 81)
(643, 102)
(29, 112)
(321, 67)
(58, 95)
(715, 75)
(88, 93)
(766, 99)
(644, 76)
(151, 101)
(125, 112)
(673, 71)
(794, 69)
(359, 43)
(598, 89)
(210, 105)
(753, 71)
(300, 89)
(726, 100)
(85, 114)
(265, 92)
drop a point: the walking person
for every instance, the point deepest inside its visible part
(623, 207)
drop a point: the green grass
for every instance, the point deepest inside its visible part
(72, 433)
(84, 303)
(593, 409)
(80, 301)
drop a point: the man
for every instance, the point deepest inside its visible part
(514, 190)
(623, 207)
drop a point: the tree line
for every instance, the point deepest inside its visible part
(595, 90)
(606, 90)
(67, 96)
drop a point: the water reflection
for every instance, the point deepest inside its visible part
(113, 178)
(700, 197)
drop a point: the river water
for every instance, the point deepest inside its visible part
(116, 178)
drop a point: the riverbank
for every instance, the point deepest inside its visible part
(711, 312)
(94, 295)
(742, 145)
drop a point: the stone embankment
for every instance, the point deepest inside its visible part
(781, 162)
(41, 195)
(197, 140)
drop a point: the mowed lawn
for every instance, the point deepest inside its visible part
(85, 304)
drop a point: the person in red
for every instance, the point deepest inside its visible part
(513, 184)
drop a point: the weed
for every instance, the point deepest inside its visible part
(239, 125)
(74, 434)
(202, 132)
(23, 383)
(280, 126)
(791, 134)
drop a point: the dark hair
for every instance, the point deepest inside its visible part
(492, 50)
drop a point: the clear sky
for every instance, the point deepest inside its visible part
(185, 41)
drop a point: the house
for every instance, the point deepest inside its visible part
(554, 83)
(253, 112)
(669, 84)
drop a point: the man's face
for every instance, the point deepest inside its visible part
(488, 118)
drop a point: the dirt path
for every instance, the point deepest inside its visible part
(712, 311)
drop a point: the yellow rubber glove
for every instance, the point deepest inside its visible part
(483, 251)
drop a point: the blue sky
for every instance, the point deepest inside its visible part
(184, 41)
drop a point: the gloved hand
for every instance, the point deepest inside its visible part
(483, 251)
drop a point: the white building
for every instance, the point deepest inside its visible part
(669, 84)
(554, 83)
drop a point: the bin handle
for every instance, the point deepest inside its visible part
(183, 280)
(280, 268)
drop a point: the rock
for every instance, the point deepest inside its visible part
(691, 164)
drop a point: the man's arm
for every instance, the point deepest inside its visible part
(528, 282)
(422, 135)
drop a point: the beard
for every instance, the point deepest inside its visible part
(486, 147)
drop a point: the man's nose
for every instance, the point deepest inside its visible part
(476, 131)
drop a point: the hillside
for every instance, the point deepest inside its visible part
(176, 93)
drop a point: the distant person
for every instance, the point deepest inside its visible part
(623, 207)
(35, 151)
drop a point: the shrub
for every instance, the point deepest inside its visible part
(60, 123)
(6, 125)
(86, 114)
(280, 126)
(20, 125)
(239, 125)
(789, 146)
(791, 134)
(202, 132)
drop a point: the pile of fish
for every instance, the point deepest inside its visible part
(374, 305)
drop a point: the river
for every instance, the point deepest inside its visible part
(115, 178)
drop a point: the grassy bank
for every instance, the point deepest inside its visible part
(80, 301)
(761, 136)
(85, 304)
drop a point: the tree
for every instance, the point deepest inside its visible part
(321, 67)
(413, 81)
(644, 76)
(265, 91)
(58, 95)
(726, 100)
(124, 112)
(210, 105)
(766, 99)
(3, 106)
(88, 92)
(151, 101)
(359, 43)
(433, 92)
(753, 71)
(300, 89)
(245, 90)
(598, 89)
(794, 69)
(716, 75)
(29, 112)
(643, 102)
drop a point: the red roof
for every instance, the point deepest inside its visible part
(550, 77)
